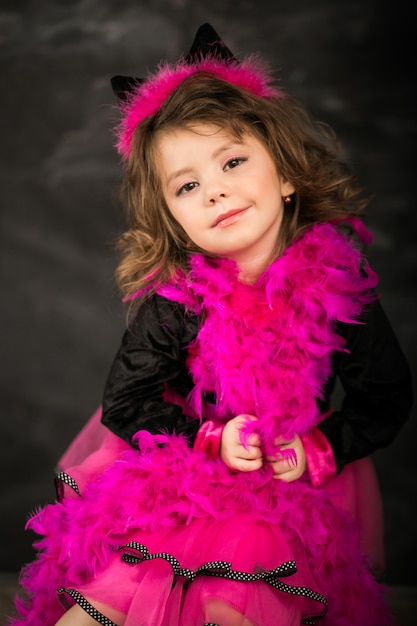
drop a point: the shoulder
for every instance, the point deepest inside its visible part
(372, 340)
(161, 317)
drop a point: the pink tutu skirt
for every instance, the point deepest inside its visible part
(168, 538)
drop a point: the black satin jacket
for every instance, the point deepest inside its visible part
(374, 375)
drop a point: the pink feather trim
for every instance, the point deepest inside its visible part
(148, 97)
(168, 486)
(278, 371)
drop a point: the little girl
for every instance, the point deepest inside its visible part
(220, 487)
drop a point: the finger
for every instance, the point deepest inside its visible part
(283, 465)
(288, 476)
(249, 452)
(243, 465)
(253, 440)
(248, 465)
(280, 441)
(239, 455)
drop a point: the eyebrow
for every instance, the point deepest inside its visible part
(186, 170)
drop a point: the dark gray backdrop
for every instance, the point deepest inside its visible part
(349, 61)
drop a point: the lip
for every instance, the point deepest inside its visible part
(230, 217)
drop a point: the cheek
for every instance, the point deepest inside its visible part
(173, 208)
(265, 181)
(273, 186)
(182, 216)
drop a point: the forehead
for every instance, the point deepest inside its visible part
(171, 140)
(177, 144)
(196, 131)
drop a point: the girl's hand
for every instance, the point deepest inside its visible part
(232, 451)
(291, 468)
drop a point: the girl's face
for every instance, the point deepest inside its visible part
(225, 193)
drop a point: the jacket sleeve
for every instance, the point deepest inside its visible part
(376, 380)
(152, 354)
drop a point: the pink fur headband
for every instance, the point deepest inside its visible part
(140, 99)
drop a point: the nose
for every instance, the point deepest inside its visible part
(215, 197)
(216, 187)
(215, 191)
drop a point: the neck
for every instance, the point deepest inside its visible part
(251, 269)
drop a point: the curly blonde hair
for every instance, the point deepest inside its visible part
(306, 153)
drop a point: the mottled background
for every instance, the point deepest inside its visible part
(349, 61)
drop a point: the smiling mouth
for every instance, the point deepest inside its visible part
(226, 219)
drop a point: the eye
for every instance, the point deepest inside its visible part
(232, 163)
(186, 188)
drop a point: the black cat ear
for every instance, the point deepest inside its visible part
(123, 85)
(206, 43)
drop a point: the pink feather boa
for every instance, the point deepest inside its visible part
(266, 349)
(289, 337)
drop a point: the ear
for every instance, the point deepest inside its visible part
(208, 43)
(287, 188)
(123, 85)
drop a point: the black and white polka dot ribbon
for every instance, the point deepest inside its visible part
(66, 479)
(136, 553)
(87, 607)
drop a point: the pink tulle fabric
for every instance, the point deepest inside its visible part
(355, 489)
(251, 524)
(148, 529)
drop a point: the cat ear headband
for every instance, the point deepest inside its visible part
(140, 98)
